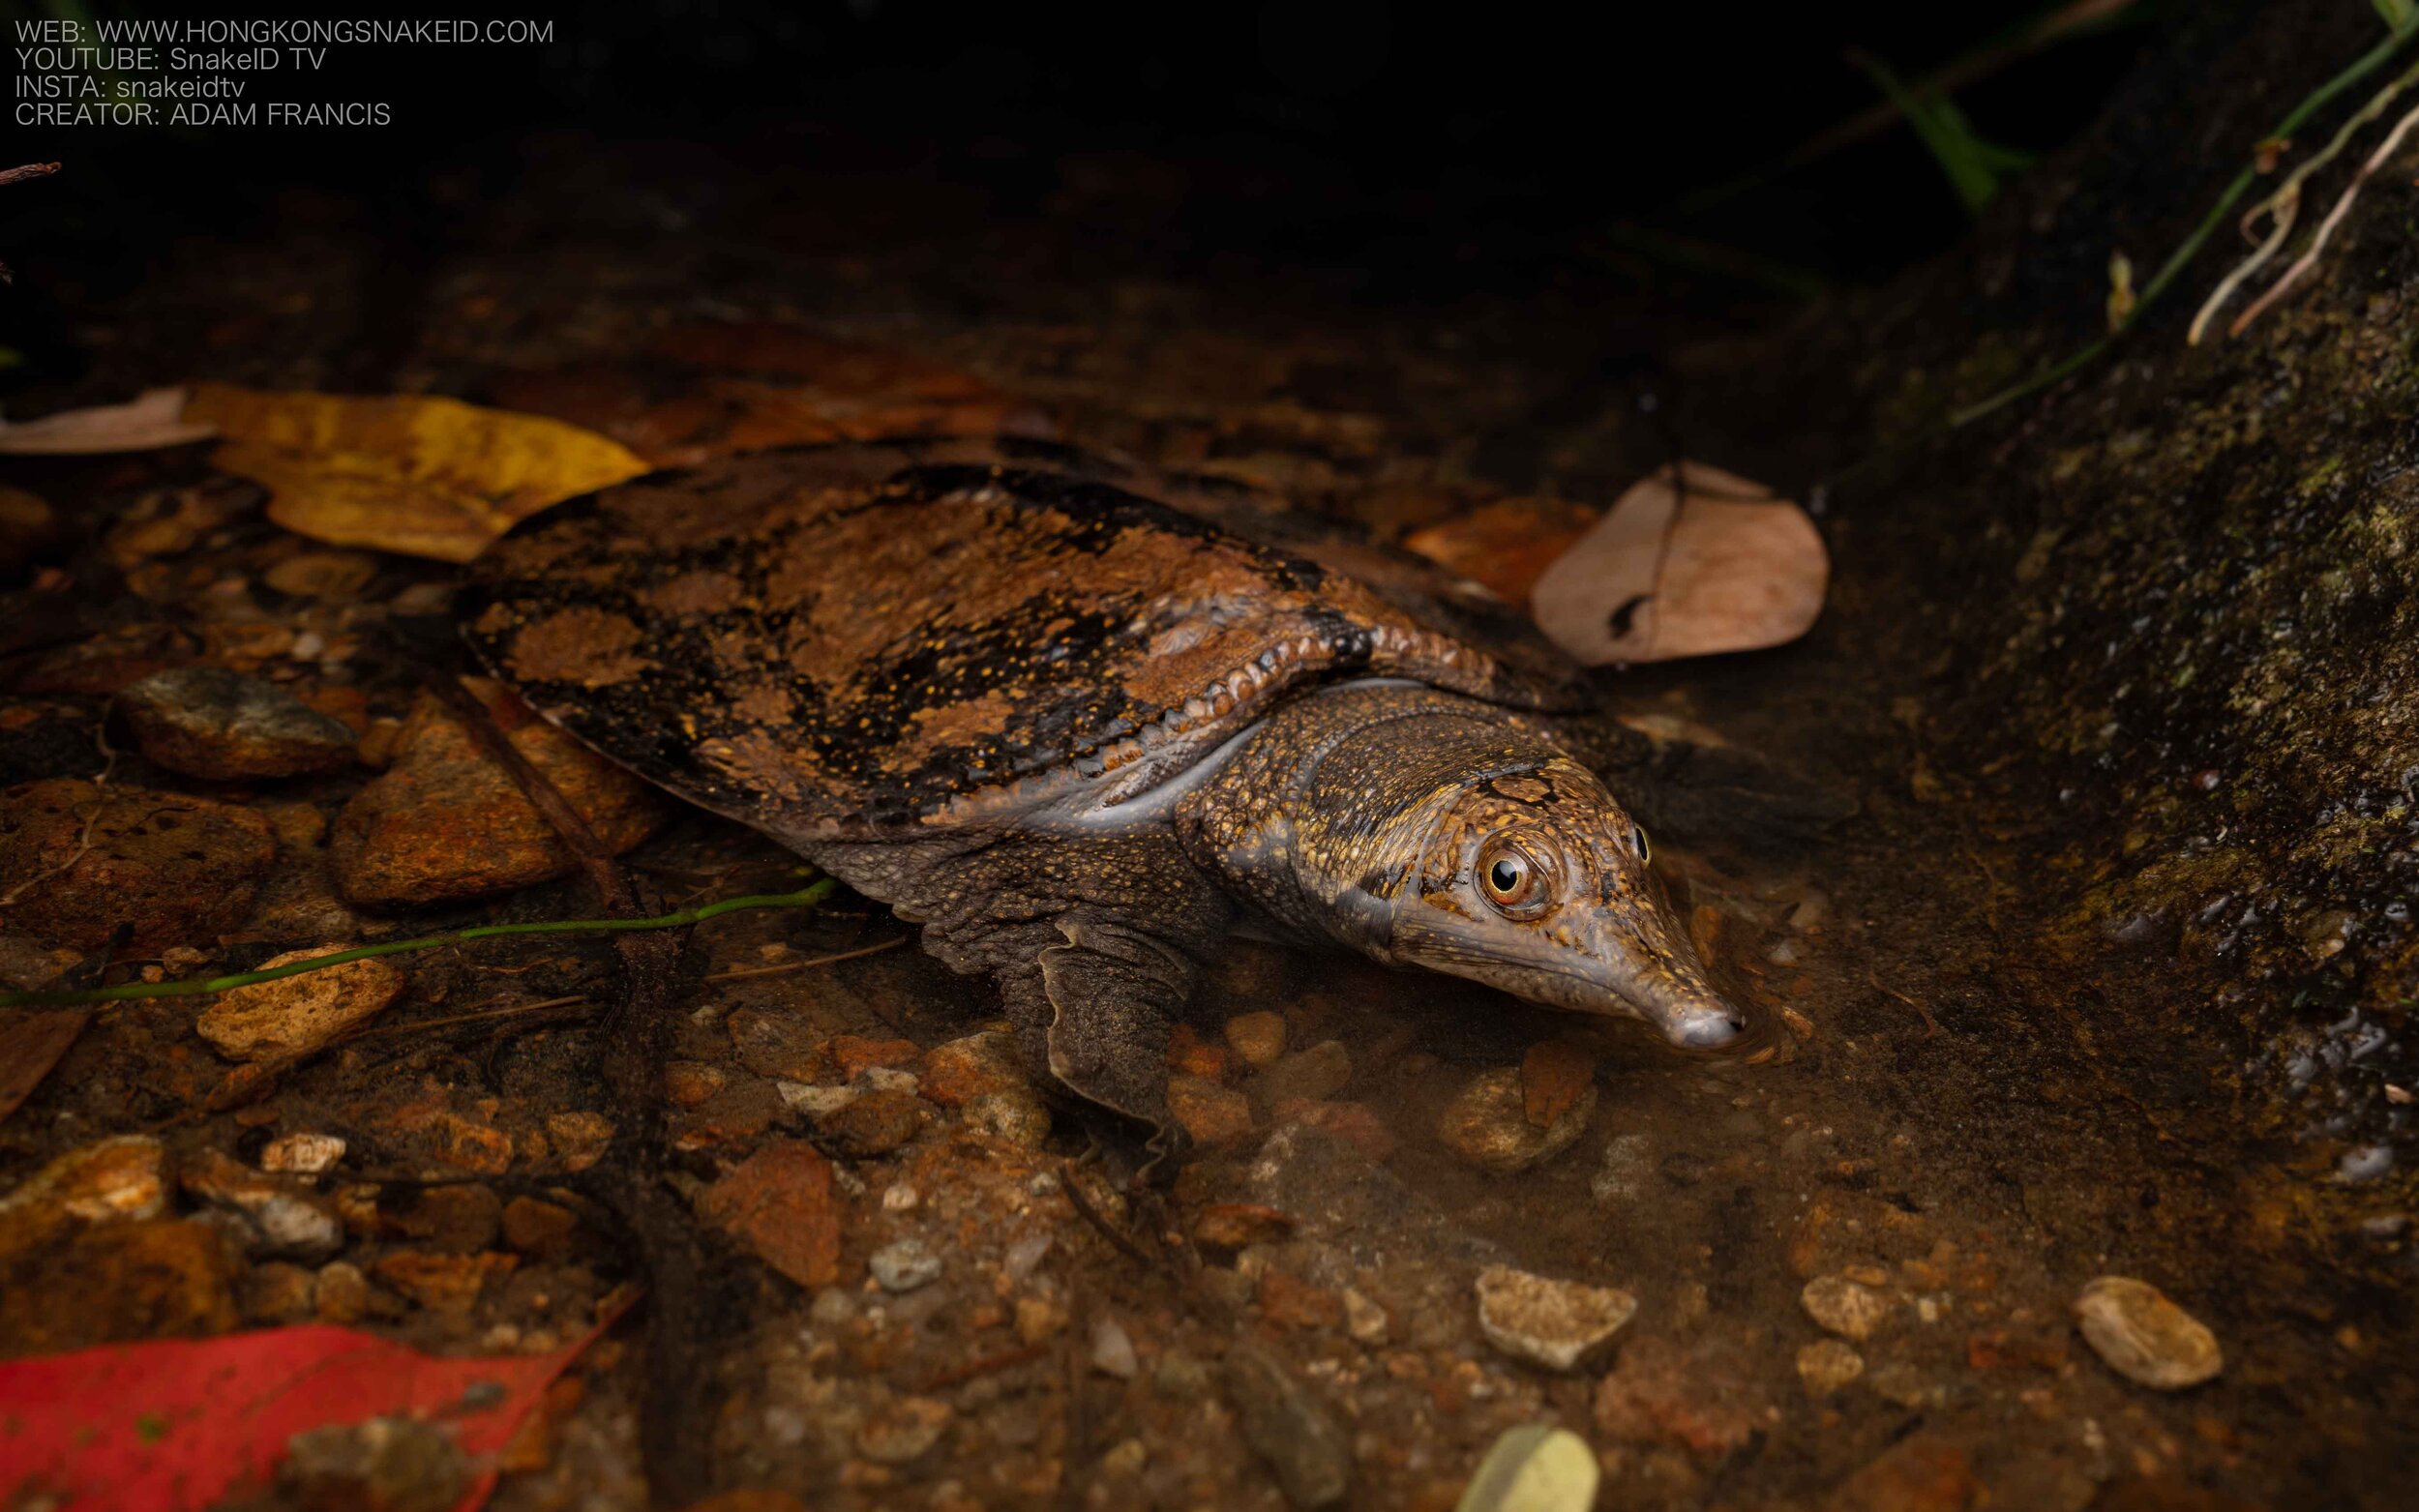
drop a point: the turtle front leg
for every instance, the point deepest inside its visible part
(1093, 940)
(1095, 1011)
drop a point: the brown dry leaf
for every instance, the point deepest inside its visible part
(712, 390)
(416, 474)
(1553, 1076)
(1504, 544)
(1722, 566)
(153, 419)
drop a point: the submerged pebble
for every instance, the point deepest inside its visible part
(1016, 1114)
(1257, 1037)
(903, 1431)
(295, 1014)
(1845, 1307)
(1211, 1114)
(1827, 1365)
(1487, 1124)
(1623, 1174)
(2144, 1337)
(1287, 1424)
(1535, 1468)
(1558, 1325)
(302, 1154)
(1364, 1319)
(2366, 1163)
(1310, 1075)
(223, 725)
(1113, 1351)
(904, 1266)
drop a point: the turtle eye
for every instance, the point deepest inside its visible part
(1637, 843)
(1514, 880)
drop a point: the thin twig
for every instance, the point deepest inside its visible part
(100, 806)
(1931, 1025)
(2284, 206)
(801, 966)
(516, 1011)
(2361, 67)
(1092, 1215)
(193, 987)
(2326, 228)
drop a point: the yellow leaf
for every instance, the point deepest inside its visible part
(421, 475)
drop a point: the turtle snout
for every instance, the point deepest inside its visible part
(1714, 1026)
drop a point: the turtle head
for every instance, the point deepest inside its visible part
(1535, 880)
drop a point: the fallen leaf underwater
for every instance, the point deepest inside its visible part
(174, 1425)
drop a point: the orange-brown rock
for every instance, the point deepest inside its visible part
(448, 1283)
(78, 860)
(855, 1053)
(779, 1202)
(445, 823)
(978, 1065)
(152, 1279)
(1924, 1474)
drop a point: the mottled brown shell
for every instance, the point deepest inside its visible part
(836, 642)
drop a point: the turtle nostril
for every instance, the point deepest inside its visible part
(1708, 1030)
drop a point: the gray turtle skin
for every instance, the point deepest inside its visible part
(1081, 737)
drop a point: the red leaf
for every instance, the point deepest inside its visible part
(176, 1424)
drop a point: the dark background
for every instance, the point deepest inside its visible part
(1494, 146)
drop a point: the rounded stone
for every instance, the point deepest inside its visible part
(1827, 1365)
(1016, 1114)
(1845, 1307)
(1211, 1115)
(1257, 1037)
(2144, 1337)
(904, 1266)
(1536, 1467)
(303, 1154)
(1309, 1076)
(223, 727)
(1487, 1124)
(903, 1431)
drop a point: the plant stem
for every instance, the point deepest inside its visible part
(194, 987)
(2368, 63)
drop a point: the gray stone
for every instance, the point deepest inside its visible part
(1113, 1351)
(223, 727)
(1627, 1168)
(1288, 1426)
(392, 1463)
(1312, 1074)
(904, 1266)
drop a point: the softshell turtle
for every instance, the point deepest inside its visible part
(1082, 735)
